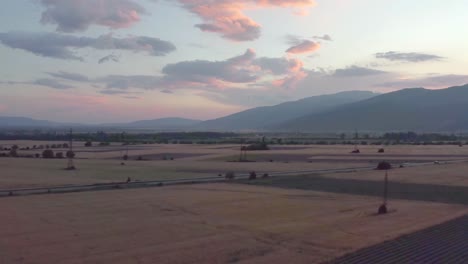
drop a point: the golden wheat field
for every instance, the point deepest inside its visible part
(289, 220)
(212, 223)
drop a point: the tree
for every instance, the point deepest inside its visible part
(384, 165)
(48, 154)
(70, 154)
(13, 153)
(59, 155)
(342, 136)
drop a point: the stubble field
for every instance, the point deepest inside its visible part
(294, 219)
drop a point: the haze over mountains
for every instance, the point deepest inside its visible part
(262, 118)
(171, 123)
(415, 109)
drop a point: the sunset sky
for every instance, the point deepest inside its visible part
(95, 61)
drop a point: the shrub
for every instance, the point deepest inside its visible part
(381, 150)
(37, 155)
(88, 144)
(230, 175)
(59, 155)
(252, 175)
(125, 157)
(265, 175)
(384, 165)
(48, 154)
(356, 151)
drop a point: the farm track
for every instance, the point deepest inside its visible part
(160, 183)
(443, 243)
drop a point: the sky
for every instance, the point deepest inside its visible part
(95, 61)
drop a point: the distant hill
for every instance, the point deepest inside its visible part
(173, 123)
(261, 118)
(415, 109)
(10, 121)
(162, 123)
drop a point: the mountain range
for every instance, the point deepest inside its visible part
(414, 109)
(263, 118)
(417, 109)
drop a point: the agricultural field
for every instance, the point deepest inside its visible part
(211, 223)
(308, 213)
(104, 164)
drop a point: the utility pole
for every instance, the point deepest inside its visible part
(71, 154)
(383, 207)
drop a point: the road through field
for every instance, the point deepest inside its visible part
(208, 179)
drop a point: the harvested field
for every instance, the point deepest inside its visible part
(444, 243)
(437, 174)
(396, 190)
(101, 164)
(214, 223)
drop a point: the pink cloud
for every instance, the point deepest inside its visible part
(227, 17)
(295, 75)
(306, 46)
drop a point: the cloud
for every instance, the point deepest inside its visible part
(305, 46)
(227, 17)
(51, 83)
(245, 71)
(433, 81)
(325, 37)
(131, 97)
(407, 57)
(115, 92)
(234, 70)
(301, 45)
(239, 70)
(69, 76)
(123, 82)
(79, 15)
(110, 57)
(276, 66)
(61, 46)
(356, 71)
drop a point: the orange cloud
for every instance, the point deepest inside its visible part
(227, 18)
(305, 46)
